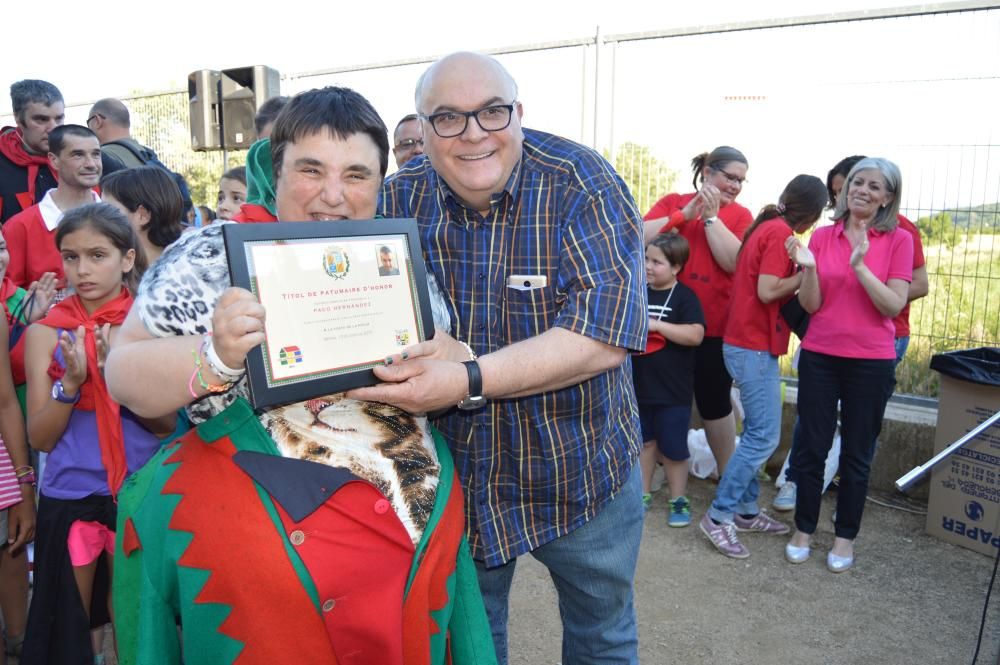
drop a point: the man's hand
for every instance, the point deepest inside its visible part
(442, 347)
(418, 386)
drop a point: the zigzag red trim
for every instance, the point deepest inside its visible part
(429, 590)
(235, 539)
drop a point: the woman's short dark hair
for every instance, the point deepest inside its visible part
(111, 223)
(717, 159)
(340, 111)
(154, 189)
(842, 168)
(675, 248)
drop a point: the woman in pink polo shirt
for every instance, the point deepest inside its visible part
(713, 224)
(855, 276)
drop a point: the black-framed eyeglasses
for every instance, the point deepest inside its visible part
(96, 115)
(730, 178)
(449, 124)
(408, 144)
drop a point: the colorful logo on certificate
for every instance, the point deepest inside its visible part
(336, 263)
(290, 355)
(402, 337)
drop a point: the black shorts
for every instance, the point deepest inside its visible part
(712, 382)
(668, 426)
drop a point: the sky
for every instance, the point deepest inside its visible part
(922, 91)
(113, 47)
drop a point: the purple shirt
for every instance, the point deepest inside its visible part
(73, 469)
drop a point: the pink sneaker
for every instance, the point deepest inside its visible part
(761, 522)
(723, 536)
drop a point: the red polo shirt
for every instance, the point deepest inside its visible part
(902, 320)
(752, 323)
(702, 274)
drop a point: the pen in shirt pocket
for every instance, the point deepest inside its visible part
(527, 282)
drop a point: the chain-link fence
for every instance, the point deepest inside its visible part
(918, 85)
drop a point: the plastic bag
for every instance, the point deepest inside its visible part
(832, 464)
(702, 461)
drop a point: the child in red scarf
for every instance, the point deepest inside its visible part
(92, 444)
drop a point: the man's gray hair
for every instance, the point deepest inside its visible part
(31, 91)
(114, 110)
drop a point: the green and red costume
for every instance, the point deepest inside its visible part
(264, 559)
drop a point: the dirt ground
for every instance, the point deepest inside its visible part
(910, 598)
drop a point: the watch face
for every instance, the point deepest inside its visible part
(472, 403)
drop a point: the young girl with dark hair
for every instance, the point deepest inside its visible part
(91, 443)
(664, 376)
(756, 336)
(151, 201)
(713, 224)
(232, 192)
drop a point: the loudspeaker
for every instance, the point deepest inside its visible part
(203, 98)
(244, 89)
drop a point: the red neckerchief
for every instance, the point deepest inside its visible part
(251, 213)
(12, 148)
(7, 291)
(94, 395)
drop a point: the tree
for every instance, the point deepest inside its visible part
(938, 229)
(647, 177)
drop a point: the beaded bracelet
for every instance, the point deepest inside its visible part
(215, 363)
(201, 380)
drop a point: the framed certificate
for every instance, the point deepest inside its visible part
(340, 297)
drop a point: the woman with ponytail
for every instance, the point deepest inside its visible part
(713, 224)
(755, 337)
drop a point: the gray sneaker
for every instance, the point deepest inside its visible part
(785, 500)
(761, 522)
(723, 536)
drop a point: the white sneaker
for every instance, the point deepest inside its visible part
(659, 475)
(785, 500)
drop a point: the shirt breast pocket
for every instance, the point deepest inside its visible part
(530, 312)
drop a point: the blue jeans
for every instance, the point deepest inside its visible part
(902, 343)
(593, 569)
(756, 374)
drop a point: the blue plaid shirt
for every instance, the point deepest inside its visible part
(535, 468)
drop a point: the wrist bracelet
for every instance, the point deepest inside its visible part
(23, 470)
(472, 354)
(215, 362)
(201, 380)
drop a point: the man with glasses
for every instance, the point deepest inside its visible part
(536, 242)
(109, 119)
(408, 140)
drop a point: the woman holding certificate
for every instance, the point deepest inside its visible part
(283, 493)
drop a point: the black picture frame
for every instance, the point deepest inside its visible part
(267, 391)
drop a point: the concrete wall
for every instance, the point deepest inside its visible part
(906, 441)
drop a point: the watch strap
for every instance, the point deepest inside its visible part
(475, 378)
